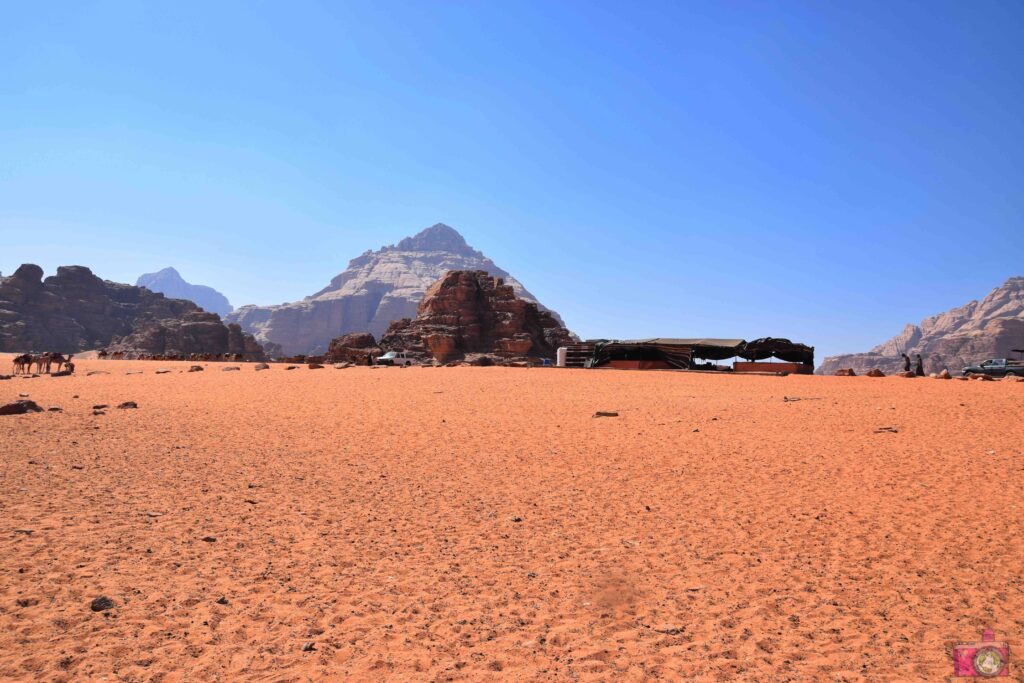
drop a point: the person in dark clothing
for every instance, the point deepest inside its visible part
(919, 367)
(369, 359)
(906, 362)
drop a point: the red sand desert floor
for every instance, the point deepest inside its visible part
(475, 524)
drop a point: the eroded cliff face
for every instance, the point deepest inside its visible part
(377, 288)
(467, 312)
(75, 310)
(990, 328)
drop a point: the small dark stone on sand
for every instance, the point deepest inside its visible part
(101, 406)
(210, 539)
(101, 604)
(309, 647)
(222, 601)
(517, 519)
(606, 413)
(128, 404)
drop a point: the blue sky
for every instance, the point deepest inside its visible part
(822, 171)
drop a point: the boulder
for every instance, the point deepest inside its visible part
(944, 375)
(261, 366)
(874, 372)
(907, 374)
(315, 366)
(20, 408)
(845, 372)
(196, 368)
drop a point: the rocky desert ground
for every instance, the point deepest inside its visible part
(480, 524)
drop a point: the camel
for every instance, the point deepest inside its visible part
(42, 361)
(60, 361)
(22, 363)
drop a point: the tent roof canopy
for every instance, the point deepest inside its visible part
(719, 349)
(672, 341)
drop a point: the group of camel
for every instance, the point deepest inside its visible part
(43, 363)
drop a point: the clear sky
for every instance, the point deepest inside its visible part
(825, 171)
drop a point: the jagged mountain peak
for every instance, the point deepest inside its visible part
(438, 237)
(376, 288)
(170, 283)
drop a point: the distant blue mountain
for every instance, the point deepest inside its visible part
(170, 283)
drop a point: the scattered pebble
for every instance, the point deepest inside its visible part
(196, 368)
(309, 647)
(608, 413)
(210, 539)
(223, 601)
(230, 368)
(128, 405)
(101, 406)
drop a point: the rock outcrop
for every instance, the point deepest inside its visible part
(377, 288)
(169, 283)
(472, 312)
(353, 348)
(75, 311)
(990, 328)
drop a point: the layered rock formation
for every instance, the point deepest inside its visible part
(990, 328)
(74, 311)
(468, 312)
(377, 288)
(170, 283)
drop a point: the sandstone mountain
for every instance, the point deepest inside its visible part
(75, 311)
(376, 288)
(990, 328)
(170, 283)
(472, 312)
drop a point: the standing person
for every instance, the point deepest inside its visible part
(919, 367)
(906, 362)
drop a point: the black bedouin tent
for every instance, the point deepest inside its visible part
(679, 353)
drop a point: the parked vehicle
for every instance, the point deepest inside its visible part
(396, 358)
(997, 367)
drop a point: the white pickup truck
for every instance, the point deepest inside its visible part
(997, 367)
(396, 358)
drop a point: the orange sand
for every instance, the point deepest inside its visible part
(477, 524)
